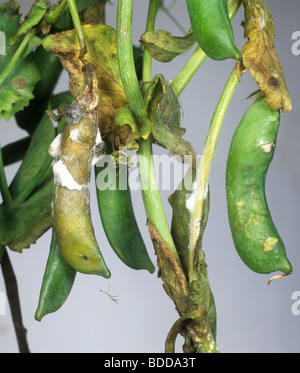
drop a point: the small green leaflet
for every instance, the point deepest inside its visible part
(16, 90)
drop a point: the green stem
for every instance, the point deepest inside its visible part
(53, 15)
(7, 198)
(16, 56)
(198, 57)
(126, 61)
(205, 164)
(76, 22)
(150, 193)
(188, 71)
(147, 59)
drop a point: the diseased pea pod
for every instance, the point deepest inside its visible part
(255, 236)
(73, 151)
(118, 218)
(212, 28)
(57, 282)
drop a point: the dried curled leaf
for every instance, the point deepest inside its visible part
(163, 109)
(164, 47)
(175, 283)
(102, 54)
(259, 55)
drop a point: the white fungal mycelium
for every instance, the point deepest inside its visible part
(63, 177)
(54, 148)
(74, 135)
(265, 146)
(96, 154)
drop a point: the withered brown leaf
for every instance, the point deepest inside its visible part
(175, 282)
(102, 55)
(260, 57)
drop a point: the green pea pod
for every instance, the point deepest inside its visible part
(50, 69)
(212, 28)
(57, 282)
(254, 233)
(73, 153)
(118, 219)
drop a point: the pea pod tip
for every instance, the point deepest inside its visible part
(276, 277)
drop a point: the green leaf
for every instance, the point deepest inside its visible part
(164, 47)
(9, 23)
(9, 17)
(22, 225)
(16, 90)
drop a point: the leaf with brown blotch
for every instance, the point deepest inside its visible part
(259, 55)
(102, 54)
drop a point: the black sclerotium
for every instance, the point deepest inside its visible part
(73, 114)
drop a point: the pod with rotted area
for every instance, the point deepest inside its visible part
(73, 153)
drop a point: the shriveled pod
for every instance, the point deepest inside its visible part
(73, 151)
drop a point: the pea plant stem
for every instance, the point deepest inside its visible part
(151, 196)
(147, 59)
(126, 61)
(188, 71)
(53, 15)
(76, 22)
(16, 56)
(204, 166)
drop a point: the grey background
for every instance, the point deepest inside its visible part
(252, 317)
